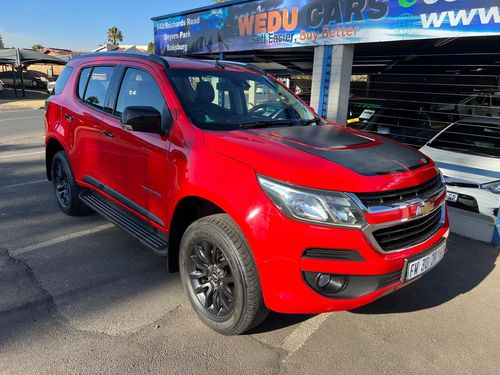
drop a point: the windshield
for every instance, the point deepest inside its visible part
(360, 114)
(228, 100)
(470, 138)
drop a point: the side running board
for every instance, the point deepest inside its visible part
(125, 220)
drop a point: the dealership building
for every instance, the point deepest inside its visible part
(402, 68)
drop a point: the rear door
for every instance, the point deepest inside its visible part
(84, 117)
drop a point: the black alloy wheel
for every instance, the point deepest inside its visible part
(219, 274)
(211, 278)
(65, 187)
(62, 189)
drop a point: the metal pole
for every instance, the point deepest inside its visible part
(14, 79)
(22, 82)
(20, 66)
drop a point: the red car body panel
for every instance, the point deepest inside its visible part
(222, 167)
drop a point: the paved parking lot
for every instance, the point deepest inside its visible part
(78, 295)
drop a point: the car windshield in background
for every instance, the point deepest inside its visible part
(470, 138)
(228, 100)
(360, 114)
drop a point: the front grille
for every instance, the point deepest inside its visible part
(410, 233)
(386, 198)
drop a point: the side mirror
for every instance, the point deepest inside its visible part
(143, 119)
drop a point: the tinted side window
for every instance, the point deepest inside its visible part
(62, 80)
(98, 85)
(82, 82)
(139, 88)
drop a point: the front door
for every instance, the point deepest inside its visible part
(138, 162)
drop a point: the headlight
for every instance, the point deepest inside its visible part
(494, 187)
(317, 206)
(442, 177)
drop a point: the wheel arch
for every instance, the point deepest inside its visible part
(188, 210)
(52, 148)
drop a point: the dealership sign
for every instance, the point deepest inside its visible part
(249, 25)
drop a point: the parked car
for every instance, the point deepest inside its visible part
(285, 213)
(468, 154)
(32, 79)
(402, 121)
(1, 87)
(480, 104)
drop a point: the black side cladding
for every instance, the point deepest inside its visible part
(359, 153)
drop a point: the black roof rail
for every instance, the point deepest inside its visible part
(145, 56)
(243, 65)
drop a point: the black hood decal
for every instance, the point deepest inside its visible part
(359, 153)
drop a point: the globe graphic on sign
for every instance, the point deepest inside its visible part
(405, 24)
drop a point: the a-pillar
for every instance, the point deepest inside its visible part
(331, 81)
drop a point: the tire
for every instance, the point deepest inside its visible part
(220, 277)
(66, 189)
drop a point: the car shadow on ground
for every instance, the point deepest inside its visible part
(276, 321)
(464, 267)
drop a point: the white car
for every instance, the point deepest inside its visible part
(480, 104)
(468, 154)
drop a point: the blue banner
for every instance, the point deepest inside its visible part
(250, 25)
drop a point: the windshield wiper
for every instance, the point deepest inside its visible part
(263, 124)
(316, 120)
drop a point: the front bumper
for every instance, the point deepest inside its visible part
(280, 245)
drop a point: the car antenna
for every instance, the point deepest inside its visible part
(218, 63)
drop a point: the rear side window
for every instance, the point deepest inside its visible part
(82, 82)
(139, 88)
(98, 85)
(62, 80)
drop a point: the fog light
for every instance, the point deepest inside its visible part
(330, 284)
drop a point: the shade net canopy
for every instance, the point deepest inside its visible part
(21, 56)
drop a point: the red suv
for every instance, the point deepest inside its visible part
(261, 204)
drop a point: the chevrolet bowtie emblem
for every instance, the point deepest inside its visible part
(425, 209)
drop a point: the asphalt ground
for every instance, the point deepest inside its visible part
(77, 295)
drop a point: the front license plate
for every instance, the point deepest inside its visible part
(419, 266)
(451, 197)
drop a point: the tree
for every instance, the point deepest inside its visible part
(151, 47)
(1, 42)
(114, 35)
(221, 1)
(37, 47)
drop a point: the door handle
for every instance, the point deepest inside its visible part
(68, 117)
(108, 134)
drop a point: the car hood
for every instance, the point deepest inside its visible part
(325, 157)
(465, 168)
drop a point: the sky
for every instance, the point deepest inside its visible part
(82, 25)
